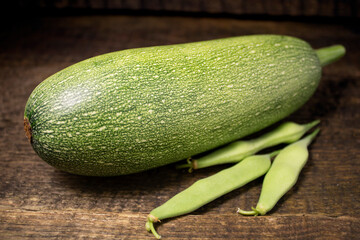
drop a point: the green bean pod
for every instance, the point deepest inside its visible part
(282, 175)
(206, 190)
(286, 133)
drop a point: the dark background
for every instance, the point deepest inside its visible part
(39, 38)
(284, 8)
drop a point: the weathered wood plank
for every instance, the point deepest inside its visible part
(38, 201)
(78, 224)
(321, 8)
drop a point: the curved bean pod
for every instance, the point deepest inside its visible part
(286, 133)
(282, 175)
(206, 190)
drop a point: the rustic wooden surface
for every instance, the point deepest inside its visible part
(38, 201)
(329, 8)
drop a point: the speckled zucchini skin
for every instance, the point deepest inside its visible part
(137, 109)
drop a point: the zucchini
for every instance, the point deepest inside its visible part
(137, 109)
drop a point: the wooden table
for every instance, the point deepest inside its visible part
(38, 201)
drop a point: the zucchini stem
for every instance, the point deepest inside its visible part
(330, 54)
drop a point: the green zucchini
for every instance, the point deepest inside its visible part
(137, 109)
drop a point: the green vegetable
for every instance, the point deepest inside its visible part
(282, 175)
(286, 133)
(210, 188)
(137, 109)
(330, 54)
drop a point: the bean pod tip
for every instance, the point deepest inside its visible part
(150, 225)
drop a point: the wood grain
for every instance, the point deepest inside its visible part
(38, 201)
(80, 224)
(318, 8)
